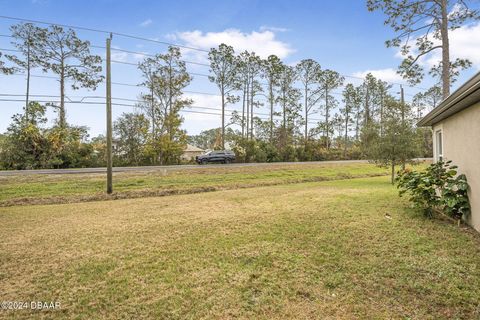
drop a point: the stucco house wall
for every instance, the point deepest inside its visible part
(191, 152)
(461, 144)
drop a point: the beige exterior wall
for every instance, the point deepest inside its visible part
(461, 144)
(190, 155)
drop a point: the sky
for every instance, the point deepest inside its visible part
(340, 35)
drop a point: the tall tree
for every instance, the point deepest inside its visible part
(329, 80)
(243, 84)
(338, 126)
(427, 100)
(149, 68)
(224, 74)
(309, 72)
(350, 100)
(272, 68)
(381, 95)
(357, 101)
(26, 37)
(398, 144)
(131, 133)
(255, 70)
(369, 88)
(287, 98)
(166, 77)
(63, 53)
(25, 145)
(427, 24)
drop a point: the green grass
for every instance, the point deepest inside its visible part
(334, 249)
(45, 189)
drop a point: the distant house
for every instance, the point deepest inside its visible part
(190, 152)
(456, 136)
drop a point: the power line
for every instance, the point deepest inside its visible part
(204, 64)
(120, 50)
(184, 91)
(147, 55)
(136, 64)
(70, 101)
(157, 41)
(137, 85)
(105, 32)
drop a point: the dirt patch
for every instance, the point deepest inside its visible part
(132, 194)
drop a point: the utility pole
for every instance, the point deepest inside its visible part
(152, 80)
(109, 119)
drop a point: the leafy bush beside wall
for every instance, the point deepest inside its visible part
(436, 188)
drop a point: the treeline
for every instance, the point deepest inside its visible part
(313, 114)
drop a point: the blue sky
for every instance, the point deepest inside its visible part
(341, 35)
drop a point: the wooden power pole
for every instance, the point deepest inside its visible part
(109, 119)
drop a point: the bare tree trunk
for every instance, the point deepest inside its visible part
(393, 172)
(284, 113)
(357, 125)
(366, 121)
(306, 114)
(381, 115)
(346, 135)
(271, 111)
(243, 112)
(445, 51)
(248, 107)
(61, 113)
(170, 97)
(326, 117)
(223, 117)
(154, 160)
(251, 106)
(27, 95)
(152, 105)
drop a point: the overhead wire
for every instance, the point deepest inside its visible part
(136, 64)
(154, 41)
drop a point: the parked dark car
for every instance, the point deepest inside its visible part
(219, 156)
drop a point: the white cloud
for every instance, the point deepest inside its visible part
(464, 43)
(196, 122)
(127, 56)
(119, 55)
(146, 23)
(263, 43)
(387, 74)
(139, 56)
(203, 100)
(274, 29)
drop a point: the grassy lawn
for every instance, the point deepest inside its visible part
(332, 249)
(47, 189)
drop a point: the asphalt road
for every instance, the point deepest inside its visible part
(158, 168)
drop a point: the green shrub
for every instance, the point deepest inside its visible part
(436, 188)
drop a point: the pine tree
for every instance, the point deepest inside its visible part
(427, 23)
(63, 53)
(224, 70)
